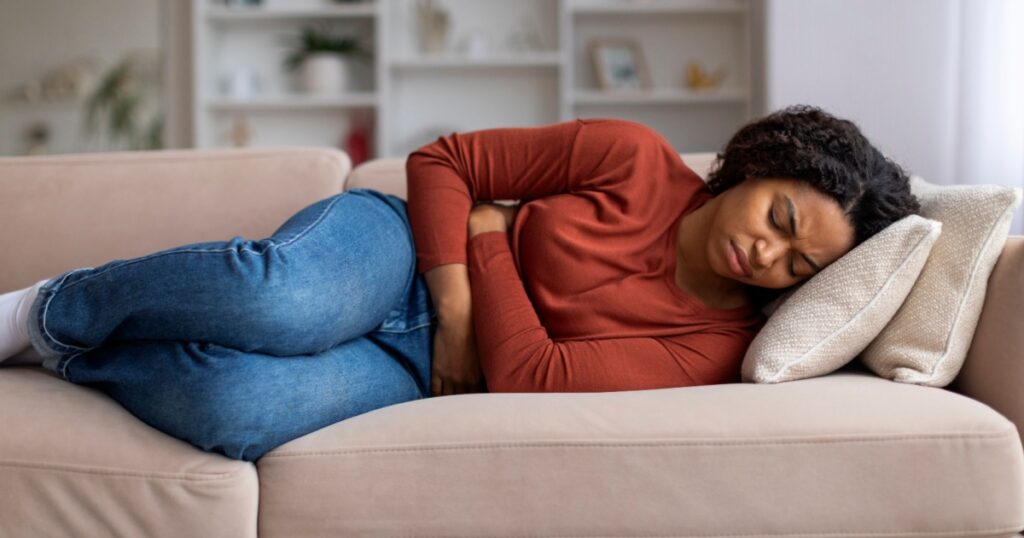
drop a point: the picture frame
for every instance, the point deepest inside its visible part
(619, 63)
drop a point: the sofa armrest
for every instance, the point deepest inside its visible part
(60, 212)
(993, 372)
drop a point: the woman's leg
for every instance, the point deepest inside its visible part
(243, 404)
(329, 274)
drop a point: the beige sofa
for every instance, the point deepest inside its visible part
(847, 454)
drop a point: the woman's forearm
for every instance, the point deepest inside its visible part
(449, 291)
(449, 283)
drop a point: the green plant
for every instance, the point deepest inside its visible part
(314, 40)
(124, 95)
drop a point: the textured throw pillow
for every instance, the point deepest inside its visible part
(927, 340)
(831, 317)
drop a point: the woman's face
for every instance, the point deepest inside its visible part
(758, 216)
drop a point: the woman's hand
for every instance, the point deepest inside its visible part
(487, 217)
(456, 366)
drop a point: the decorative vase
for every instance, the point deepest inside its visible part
(324, 72)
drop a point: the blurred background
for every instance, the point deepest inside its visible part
(937, 85)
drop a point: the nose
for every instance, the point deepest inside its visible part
(766, 251)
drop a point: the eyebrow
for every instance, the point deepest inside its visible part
(792, 226)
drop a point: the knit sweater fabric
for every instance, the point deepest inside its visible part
(579, 295)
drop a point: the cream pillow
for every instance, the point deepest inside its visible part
(926, 342)
(831, 317)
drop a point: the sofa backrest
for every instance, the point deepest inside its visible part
(388, 174)
(60, 212)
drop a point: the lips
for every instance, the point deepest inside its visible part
(741, 257)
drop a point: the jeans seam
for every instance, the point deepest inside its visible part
(42, 316)
(408, 329)
(62, 366)
(301, 234)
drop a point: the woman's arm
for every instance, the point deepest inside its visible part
(449, 283)
(456, 363)
(447, 176)
(518, 355)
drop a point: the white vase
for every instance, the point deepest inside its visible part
(324, 73)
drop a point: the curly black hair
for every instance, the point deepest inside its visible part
(806, 143)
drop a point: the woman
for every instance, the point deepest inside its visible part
(620, 270)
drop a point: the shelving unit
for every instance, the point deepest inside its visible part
(414, 97)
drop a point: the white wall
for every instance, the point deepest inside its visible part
(888, 66)
(38, 35)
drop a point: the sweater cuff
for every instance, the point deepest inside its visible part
(493, 238)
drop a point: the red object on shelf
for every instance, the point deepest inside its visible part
(357, 141)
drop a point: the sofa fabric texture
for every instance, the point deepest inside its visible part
(926, 342)
(848, 453)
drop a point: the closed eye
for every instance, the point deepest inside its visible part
(771, 218)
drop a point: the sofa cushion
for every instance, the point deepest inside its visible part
(845, 453)
(829, 319)
(75, 463)
(927, 340)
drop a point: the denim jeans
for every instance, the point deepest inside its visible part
(240, 346)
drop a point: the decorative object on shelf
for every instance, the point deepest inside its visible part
(475, 43)
(357, 141)
(242, 83)
(526, 38)
(36, 137)
(69, 82)
(241, 132)
(320, 58)
(126, 105)
(697, 78)
(619, 63)
(433, 23)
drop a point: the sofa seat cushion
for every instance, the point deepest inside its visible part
(73, 462)
(844, 453)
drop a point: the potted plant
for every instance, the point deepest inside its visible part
(320, 58)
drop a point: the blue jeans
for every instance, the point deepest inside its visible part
(240, 346)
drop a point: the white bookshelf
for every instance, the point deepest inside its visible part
(414, 97)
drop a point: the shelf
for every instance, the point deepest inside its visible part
(240, 13)
(412, 94)
(633, 7)
(524, 59)
(657, 96)
(295, 101)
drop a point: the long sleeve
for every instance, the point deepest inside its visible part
(517, 354)
(446, 177)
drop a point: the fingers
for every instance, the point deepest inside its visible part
(440, 387)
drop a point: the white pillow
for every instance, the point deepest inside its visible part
(831, 317)
(927, 340)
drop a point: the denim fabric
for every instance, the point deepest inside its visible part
(240, 346)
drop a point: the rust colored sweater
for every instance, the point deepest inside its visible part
(579, 295)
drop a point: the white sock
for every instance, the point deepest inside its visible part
(14, 307)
